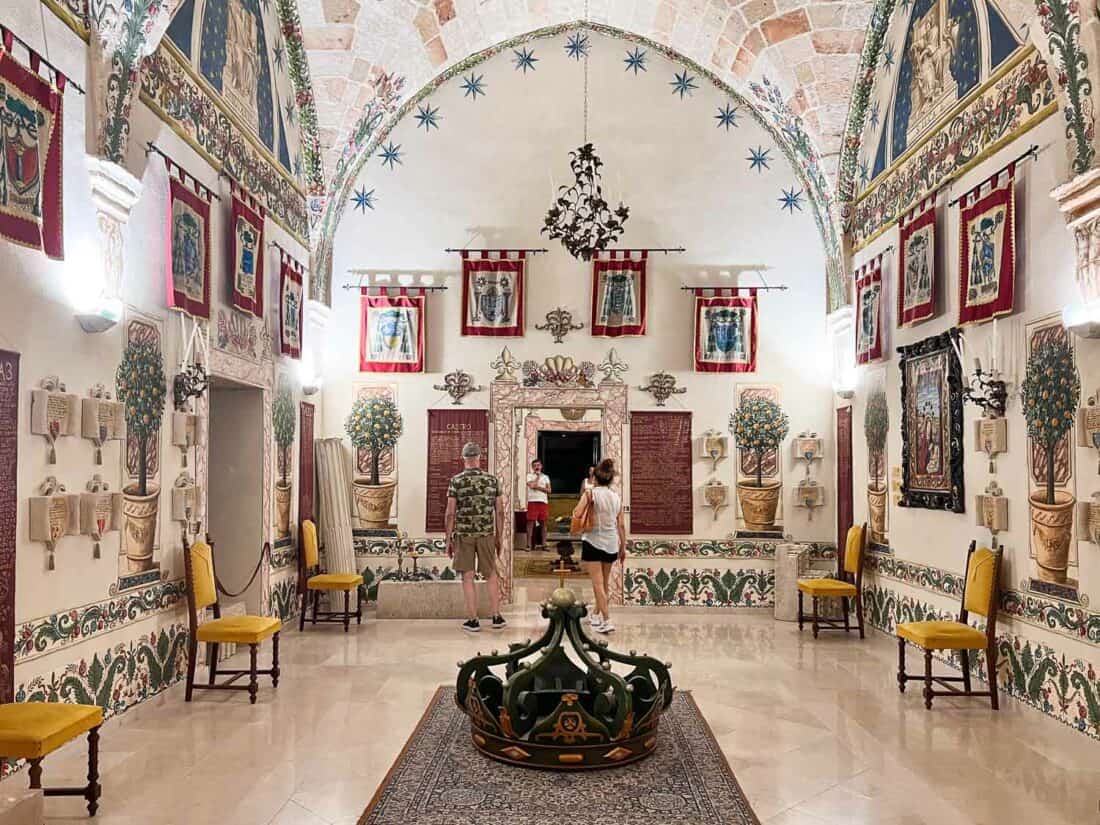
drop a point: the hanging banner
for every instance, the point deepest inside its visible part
(246, 253)
(188, 257)
(987, 249)
(618, 294)
(448, 431)
(391, 332)
(31, 142)
(9, 476)
(492, 293)
(725, 330)
(868, 280)
(291, 298)
(917, 264)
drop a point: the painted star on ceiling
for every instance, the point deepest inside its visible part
(291, 110)
(684, 84)
(874, 115)
(525, 59)
(636, 60)
(363, 199)
(903, 5)
(758, 159)
(727, 116)
(791, 200)
(266, 4)
(428, 117)
(888, 57)
(297, 166)
(390, 154)
(278, 54)
(473, 85)
(576, 46)
(864, 175)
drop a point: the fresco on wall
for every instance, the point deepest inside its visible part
(387, 464)
(746, 460)
(237, 48)
(954, 80)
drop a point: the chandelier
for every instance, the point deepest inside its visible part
(579, 216)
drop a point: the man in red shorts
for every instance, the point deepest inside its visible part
(538, 502)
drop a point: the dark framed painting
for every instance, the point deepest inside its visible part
(932, 425)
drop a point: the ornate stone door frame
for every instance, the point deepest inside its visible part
(507, 402)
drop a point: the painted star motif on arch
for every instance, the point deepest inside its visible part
(427, 117)
(874, 115)
(576, 46)
(473, 85)
(635, 60)
(888, 58)
(758, 159)
(727, 116)
(684, 84)
(791, 200)
(278, 54)
(864, 175)
(291, 110)
(363, 199)
(524, 59)
(390, 154)
(297, 165)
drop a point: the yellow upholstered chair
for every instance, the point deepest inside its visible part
(311, 580)
(847, 586)
(31, 730)
(202, 592)
(981, 594)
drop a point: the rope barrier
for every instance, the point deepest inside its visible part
(265, 551)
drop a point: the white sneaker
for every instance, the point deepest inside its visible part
(595, 620)
(605, 626)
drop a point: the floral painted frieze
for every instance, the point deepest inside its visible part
(173, 93)
(312, 171)
(283, 556)
(373, 575)
(1019, 100)
(119, 677)
(718, 549)
(920, 575)
(283, 599)
(39, 637)
(1061, 22)
(374, 546)
(698, 587)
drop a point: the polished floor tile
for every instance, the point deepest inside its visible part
(816, 732)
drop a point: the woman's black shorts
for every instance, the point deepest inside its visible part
(591, 553)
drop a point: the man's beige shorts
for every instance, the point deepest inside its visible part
(481, 548)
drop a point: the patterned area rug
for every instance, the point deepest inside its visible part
(440, 779)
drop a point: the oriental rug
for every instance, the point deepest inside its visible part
(440, 779)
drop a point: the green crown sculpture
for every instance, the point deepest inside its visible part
(558, 712)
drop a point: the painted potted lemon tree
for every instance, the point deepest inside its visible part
(1051, 391)
(141, 388)
(374, 426)
(759, 425)
(284, 424)
(876, 424)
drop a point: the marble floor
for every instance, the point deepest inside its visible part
(816, 732)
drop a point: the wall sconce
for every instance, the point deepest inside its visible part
(1083, 320)
(102, 316)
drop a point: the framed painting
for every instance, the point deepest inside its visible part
(725, 331)
(932, 425)
(391, 337)
(917, 265)
(618, 295)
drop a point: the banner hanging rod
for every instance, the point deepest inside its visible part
(68, 80)
(528, 250)
(152, 147)
(783, 288)
(1032, 153)
(388, 286)
(667, 250)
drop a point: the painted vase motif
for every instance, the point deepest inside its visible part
(374, 502)
(876, 506)
(140, 515)
(758, 504)
(1051, 530)
(282, 508)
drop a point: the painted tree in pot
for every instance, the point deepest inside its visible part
(374, 426)
(759, 425)
(1051, 392)
(284, 423)
(141, 388)
(876, 424)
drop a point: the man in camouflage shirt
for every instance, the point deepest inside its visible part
(475, 519)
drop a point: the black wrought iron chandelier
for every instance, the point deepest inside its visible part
(580, 216)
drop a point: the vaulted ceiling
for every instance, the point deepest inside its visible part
(810, 50)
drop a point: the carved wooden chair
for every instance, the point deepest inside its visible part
(847, 586)
(31, 730)
(202, 592)
(311, 580)
(981, 594)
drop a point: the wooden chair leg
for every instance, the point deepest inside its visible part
(928, 679)
(212, 659)
(36, 773)
(964, 657)
(991, 669)
(859, 613)
(253, 683)
(814, 617)
(800, 616)
(844, 604)
(192, 657)
(91, 793)
(901, 665)
(316, 604)
(358, 605)
(302, 614)
(347, 610)
(275, 660)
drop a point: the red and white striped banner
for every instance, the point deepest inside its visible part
(391, 330)
(725, 329)
(619, 293)
(493, 292)
(869, 300)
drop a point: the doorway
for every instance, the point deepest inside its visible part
(235, 499)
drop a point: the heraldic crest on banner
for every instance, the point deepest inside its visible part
(725, 330)
(619, 294)
(492, 292)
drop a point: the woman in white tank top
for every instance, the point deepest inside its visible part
(605, 543)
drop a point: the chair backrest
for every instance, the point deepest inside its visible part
(852, 560)
(310, 553)
(202, 589)
(981, 590)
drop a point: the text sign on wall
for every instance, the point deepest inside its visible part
(448, 430)
(9, 441)
(660, 473)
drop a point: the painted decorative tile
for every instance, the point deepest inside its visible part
(283, 602)
(373, 575)
(698, 587)
(726, 549)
